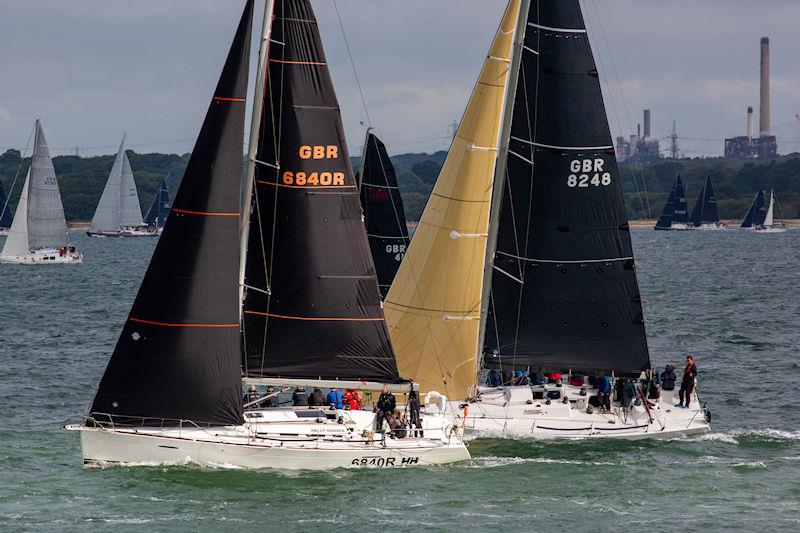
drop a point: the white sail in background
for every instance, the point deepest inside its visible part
(16, 244)
(47, 227)
(770, 218)
(119, 203)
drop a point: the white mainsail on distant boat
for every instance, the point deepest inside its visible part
(172, 391)
(119, 213)
(38, 233)
(522, 260)
(769, 225)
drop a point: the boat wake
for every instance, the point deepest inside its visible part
(747, 436)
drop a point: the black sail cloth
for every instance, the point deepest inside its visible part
(157, 215)
(312, 307)
(757, 213)
(675, 209)
(705, 209)
(384, 216)
(178, 355)
(564, 294)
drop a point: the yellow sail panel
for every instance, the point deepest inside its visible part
(433, 307)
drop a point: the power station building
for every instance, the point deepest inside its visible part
(765, 146)
(646, 149)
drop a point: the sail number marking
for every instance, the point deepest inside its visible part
(588, 172)
(324, 179)
(398, 250)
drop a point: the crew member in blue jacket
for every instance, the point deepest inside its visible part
(604, 391)
(335, 399)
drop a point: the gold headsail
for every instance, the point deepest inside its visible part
(433, 307)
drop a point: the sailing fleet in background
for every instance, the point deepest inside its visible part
(704, 215)
(313, 280)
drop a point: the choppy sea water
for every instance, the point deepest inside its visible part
(729, 298)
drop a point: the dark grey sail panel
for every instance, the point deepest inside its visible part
(178, 356)
(312, 307)
(757, 213)
(384, 216)
(47, 227)
(564, 293)
(159, 210)
(705, 208)
(675, 210)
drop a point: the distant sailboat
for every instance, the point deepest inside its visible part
(769, 225)
(757, 213)
(5, 213)
(38, 233)
(309, 313)
(675, 215)
(384, 215)
(522, 260)
(705, 215)
(156, 217)
(119, 213)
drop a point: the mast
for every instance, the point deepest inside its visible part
(255, 128)
(499, 175)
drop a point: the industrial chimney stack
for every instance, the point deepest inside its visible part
(764, 112)
(646, 123)
(750, 123)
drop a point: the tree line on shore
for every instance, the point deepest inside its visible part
(646, 188)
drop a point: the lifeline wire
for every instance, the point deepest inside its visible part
(352, 63)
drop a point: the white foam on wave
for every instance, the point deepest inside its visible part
(732, 436)
(498, 462)
(751, 464)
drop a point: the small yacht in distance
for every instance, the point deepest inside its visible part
(769, 225)
(156, 217)
(757, 213)
(119, 213)
(675, 215)
(38, 233)
(705, 215)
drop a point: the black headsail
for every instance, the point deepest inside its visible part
(384, 215)
(564, 294)
(178, 356)
(675, 209)
(312, 307)
(157, 215)
(705, 209)
(757, 213)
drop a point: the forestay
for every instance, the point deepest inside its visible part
(178, 356)
(384, 216)
(433, 307)
(564, 294)
(47, 227)
(311, 306)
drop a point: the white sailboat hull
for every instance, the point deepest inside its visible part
(711, 227)
(770, 230)
(505, 412)
(124, 233)
(280, 442)
(43, 256)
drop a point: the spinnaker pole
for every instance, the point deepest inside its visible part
(255, 127)
(499, 174)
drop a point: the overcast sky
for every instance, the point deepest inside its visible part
(92, 69)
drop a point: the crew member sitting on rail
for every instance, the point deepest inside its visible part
(335, 399)
(352, 400)
(272, 398)
(317, 399)
(251, 395)
(300, 397)
(493, 378)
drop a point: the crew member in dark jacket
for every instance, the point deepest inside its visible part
(687, 383)
(386, 406)
(251, 395)
(300, 397)
(668, 378)
(272, 400)
(317, 399)
(415, 421)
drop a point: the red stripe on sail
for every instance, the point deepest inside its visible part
(175, 325)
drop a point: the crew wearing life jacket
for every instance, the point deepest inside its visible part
(352, 400)
(335, 399)
(668, 378)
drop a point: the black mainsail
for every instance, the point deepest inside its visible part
(159, 210)
(675, 210)
(178, 356)
(384, 215)
(757, 213)
(564, 294)
(311, 306)
(705, 209)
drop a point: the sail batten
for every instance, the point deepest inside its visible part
(311, 304)
(178, 356)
